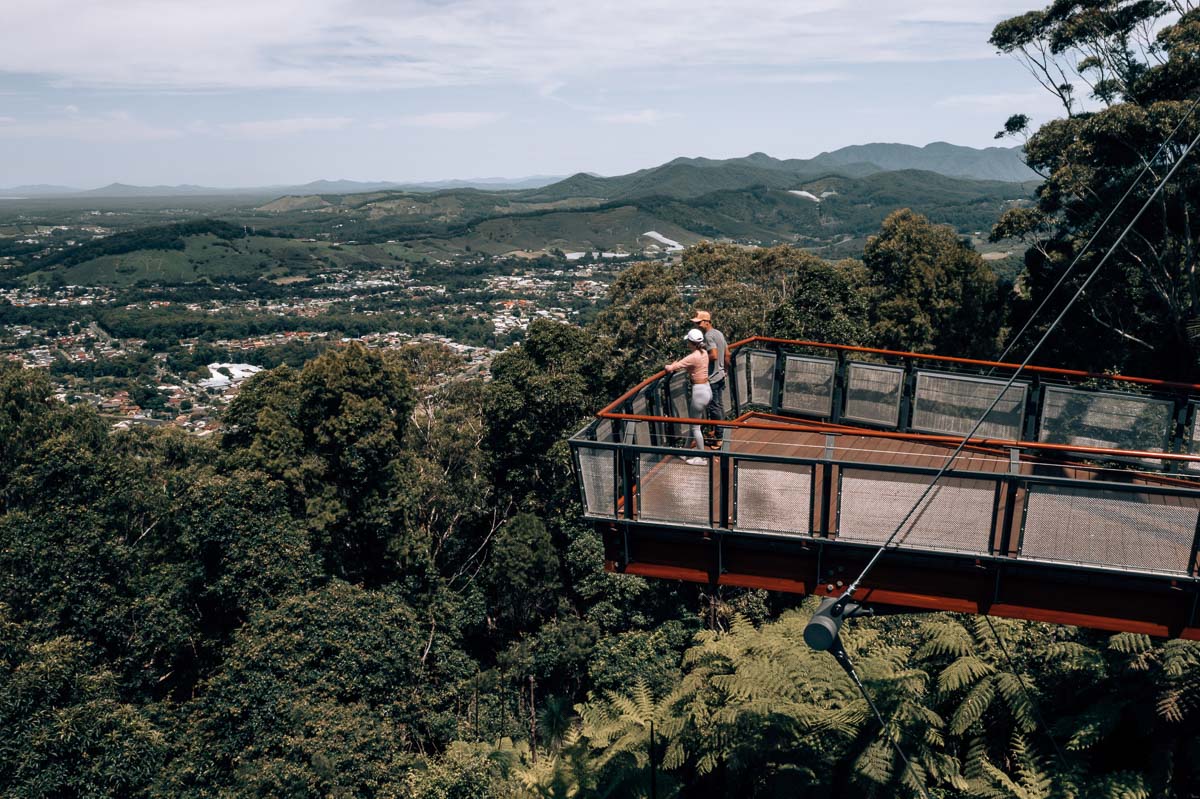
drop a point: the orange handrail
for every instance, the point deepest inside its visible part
(608, 413)
(821, 427)
(1051, 370)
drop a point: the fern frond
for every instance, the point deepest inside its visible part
(1016, 696)
(1180, 656)
(1170, 705)
(963, 672)
(971, 709)
(875, 762)
(1094, 726)
(1077, 657)
(945, 637)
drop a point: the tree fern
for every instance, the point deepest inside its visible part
(963, 672)
(971, 708)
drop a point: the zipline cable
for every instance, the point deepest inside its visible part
(843, 658)
(1037, 713)
(853, 587)
(1087, 245)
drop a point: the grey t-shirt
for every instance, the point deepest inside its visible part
(715, 340)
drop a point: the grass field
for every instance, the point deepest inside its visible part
(210, 257)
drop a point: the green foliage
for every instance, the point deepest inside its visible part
(541, 390)
(64, 729)
(312, 701)
(826, 303)
(465, 771)
(334, 434)
(1138, 61)
(523, 572)
(645, 320)
(929, 291)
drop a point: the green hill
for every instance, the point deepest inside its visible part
(611, 228)
(682, 179)
(684, 201)
(991, 163)
(195, 251)
(753, 200)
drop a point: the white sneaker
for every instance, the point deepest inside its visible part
(694, 461)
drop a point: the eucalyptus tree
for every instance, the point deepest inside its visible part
(1126, 75)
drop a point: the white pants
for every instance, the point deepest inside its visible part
(701, 396)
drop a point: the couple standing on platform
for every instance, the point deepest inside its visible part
(706, 365)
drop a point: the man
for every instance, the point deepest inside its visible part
(718, 363)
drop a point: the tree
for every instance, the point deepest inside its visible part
(1137, 60)
(523, 572)
(645, 320)
(330, 693)
(742, 287)
(540, 392)
(929, 290)
(466, 771)
(334, 434)
(64, 727)
(825, 302)
(24, 405)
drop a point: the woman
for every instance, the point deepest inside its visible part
(696, 364)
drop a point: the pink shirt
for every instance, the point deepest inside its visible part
(696, 364)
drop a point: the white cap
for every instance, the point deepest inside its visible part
(695, 336)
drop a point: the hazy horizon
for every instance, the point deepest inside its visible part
(456, 178)
(284, 93)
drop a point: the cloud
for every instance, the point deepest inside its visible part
(1039, 105)
(113, 126)
(279, 128)
(798, 78)
(358, 45)
(449, 120)
(998, 102)
(647, 116)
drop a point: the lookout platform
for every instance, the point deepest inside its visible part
(1078, 501)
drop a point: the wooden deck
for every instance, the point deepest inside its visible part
(857, 488)
(670, 488)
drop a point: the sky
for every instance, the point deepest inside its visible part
(262, 92)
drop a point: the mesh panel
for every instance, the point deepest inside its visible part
(873, 394)
(677, 387)
(741, 365)
(670, 490)
(1109, 528)
(1193, 443)
(597, 470)
(956, 517)
(641, 406)
(604, 430)
(808, 385)
(951, 404)
(762, 377)
(1093, 419)
(773, 497)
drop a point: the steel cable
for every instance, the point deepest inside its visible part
(1087, 245)
(853, 587)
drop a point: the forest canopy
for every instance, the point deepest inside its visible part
(375, 583)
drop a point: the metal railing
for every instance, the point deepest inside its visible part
(835, 405)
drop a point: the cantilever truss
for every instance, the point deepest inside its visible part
(1079, 502)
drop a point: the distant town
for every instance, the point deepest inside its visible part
(135, 380)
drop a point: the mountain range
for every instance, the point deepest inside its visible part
(991, 163)
(124, 190)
